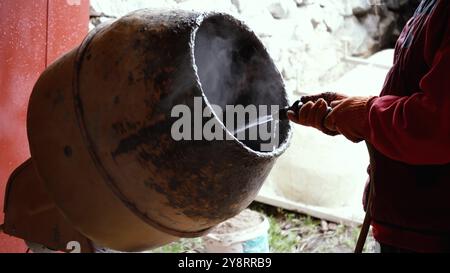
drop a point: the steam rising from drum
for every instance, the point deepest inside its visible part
(235, 69)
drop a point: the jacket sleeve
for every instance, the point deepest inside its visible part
(416, 129)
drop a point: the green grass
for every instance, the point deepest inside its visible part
(279, 240)
(181, 246)
(290, 233)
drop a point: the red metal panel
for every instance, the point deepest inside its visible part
(22, 53)
(67, 26)
(32, 34)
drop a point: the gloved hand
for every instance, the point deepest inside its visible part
(312, 114)
(314, 111)
(329, 97)
(350, 117)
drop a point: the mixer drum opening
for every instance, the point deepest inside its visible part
(234, 68)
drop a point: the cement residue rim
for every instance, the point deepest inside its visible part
(241, 26)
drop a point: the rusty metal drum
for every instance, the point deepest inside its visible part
(99, 127)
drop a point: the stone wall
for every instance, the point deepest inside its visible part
(306, 38)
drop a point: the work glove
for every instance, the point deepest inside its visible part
(350, 117)
(314, 110)
(329, 97)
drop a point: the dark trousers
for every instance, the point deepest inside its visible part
(383, 248)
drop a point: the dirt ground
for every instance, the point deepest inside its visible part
(292, 233)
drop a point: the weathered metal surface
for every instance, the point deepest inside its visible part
(32, 215)
(34, 34)
(99, 127)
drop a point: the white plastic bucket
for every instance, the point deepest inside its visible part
(254, 238)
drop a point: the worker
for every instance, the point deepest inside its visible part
(407, 131)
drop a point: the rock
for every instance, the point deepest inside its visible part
(359, 13)
(382, 32)
(325, 16)
(289, 71)
(263, 24)
(353, 34)
(274, 47)
(371, 24)
(250, 8)
(286, 226)
(361, 10)
(118, 8)
(299, 3)
(324, 225)
(201, 5)
(367, 48)
(316, 14)
(350, 6)
(303, 32)
(332, 226)
(333, 21)
(281, 9)
(388, 31)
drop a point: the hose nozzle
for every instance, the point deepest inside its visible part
(294, 107)
(282, 115)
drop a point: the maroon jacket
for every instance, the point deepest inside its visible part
(409, 143)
